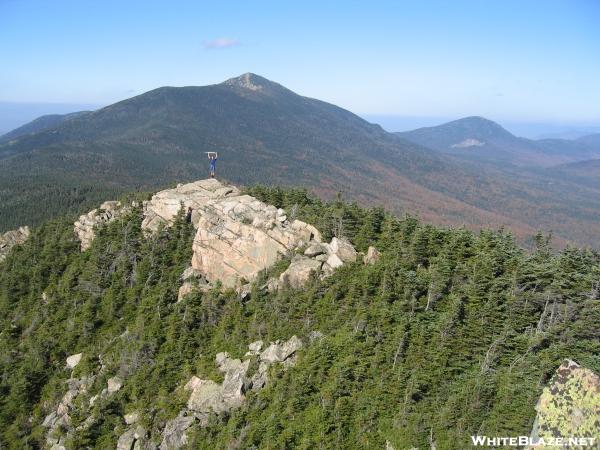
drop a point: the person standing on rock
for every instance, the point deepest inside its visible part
(212, 157)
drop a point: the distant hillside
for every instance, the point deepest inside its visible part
(586, 172)
(267, 134)
(40, 124)
(483, 140)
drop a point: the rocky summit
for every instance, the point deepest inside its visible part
(162, 209)
(237, 235)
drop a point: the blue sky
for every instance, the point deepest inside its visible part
(531, 61)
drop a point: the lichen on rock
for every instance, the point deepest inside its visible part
(570, 405)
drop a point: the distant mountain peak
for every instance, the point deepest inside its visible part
(250, 81)
(480, 119)
(249, 84)
(477, 121)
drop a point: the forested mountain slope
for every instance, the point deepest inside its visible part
(583, 172)
(40, 124)
(266, 133)
(449, 334)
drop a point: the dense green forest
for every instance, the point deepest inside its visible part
(451, 333)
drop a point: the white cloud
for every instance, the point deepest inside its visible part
(221, 43)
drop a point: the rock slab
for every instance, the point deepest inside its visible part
(162, 209)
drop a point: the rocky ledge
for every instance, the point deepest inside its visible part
(206, 397)
(237, 236)
(11, 238)
(87, 223)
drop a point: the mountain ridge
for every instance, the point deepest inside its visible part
(266, 135)
(42, 123)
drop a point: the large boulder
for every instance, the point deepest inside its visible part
(114, 384)
(86, 225)
(299, 271)
(254, 348)
(343, 249)
(193, 280)
(131, 418)
(569, 406)
(11, 238)
(315, 249)
(73, 360)
(280, 351)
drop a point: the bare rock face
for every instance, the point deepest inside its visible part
(175, 432)
(240, 236)
(11, 238)
(569, 406)
(162, 209)
(132, 439)
(86, 224)
(208, 396)
(59, 418)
